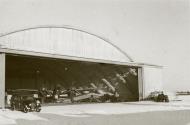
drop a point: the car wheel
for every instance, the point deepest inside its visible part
(38, 109)
(13, 107)
(25, 110)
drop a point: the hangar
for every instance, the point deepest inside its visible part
(35, 57)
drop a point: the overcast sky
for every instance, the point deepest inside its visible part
(151, 31)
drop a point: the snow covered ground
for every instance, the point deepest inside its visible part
(88, 110)
(10, 117)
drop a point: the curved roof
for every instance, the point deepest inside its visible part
(63, 40)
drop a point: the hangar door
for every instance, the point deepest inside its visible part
(35, 73)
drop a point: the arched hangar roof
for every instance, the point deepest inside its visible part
(63, 40)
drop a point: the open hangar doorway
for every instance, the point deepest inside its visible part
(48, 74)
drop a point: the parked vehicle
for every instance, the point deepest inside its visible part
(158, 96)
(25, 103)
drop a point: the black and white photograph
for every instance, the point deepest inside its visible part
(94, 62)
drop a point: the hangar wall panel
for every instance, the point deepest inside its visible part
(140, 83)
(2, 80)
(62, 41)
(152, 80)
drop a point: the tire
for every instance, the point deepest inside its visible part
(25, 110)
(38, 109)
(13, 107)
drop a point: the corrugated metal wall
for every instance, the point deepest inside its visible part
(152, 80)
(62, 41)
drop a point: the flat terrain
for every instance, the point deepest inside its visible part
(150, 118)
(131, 113)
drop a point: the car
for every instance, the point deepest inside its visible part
(162, 98)
(158, 96)
(25, 103)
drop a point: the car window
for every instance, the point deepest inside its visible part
(28, 98)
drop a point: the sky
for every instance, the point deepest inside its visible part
(150, 31)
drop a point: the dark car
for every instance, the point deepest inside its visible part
(162, 98)
(25, 103)
(158, 96)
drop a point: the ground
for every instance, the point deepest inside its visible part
(128, 113)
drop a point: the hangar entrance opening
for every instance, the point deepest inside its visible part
(59, 80)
